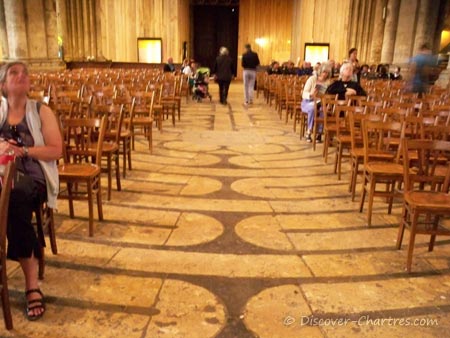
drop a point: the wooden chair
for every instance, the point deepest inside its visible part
(110, 148)
(82, 165)
(8, 174)
(125, 134)
(141, 116)
(357, 146)
(168, 99)
(377, 138)
(426, 196)
(329, 123)
(343, 135)
(319, 119)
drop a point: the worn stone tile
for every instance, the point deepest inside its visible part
(279, 312)
(398, 295)
(186, 311)
(193, 228)
(193, 263)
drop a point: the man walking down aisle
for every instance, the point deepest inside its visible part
(250, 61)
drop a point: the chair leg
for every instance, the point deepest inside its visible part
(51, 230)
(124, 157)
(412, 238)
(150, 138)
(99, 200)
(91, 208)
(70, 197)
(352, 176)
(391, 196)
(132, 138)
(295, 125)
(363, 193)
(370, 202)
(118, 185)
(7, 317)
(336, 159)
(433, 237)
(109, 168)
(128, 147)
(325, 147)
(401, 229)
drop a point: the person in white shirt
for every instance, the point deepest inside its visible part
(314, 86)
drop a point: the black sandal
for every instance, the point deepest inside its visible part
(35, 304)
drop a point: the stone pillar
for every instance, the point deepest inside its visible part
(377, 33)
(16, 29)
(35, 29)
(404, 41)
(51, 31)
(426, 24)
(3, 36)
(62, 25)
(390, 13)
(296, 32)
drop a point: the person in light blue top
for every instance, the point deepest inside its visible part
(421, 67)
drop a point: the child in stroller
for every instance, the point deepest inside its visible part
(201, 82)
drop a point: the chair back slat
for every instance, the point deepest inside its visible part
(83, 140)
(426, 164)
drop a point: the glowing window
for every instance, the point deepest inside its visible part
(149, 50)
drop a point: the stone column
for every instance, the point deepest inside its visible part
(35, 29)
(377, 33)
(51, 30)
(3, 36)
(295, 35)
(390, 13)
(426, 24)
(16, 29)
(404, 41)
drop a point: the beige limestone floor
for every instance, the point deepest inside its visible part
(234, 227)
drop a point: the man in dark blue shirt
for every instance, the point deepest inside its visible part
(250, 61)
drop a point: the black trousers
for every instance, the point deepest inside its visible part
(25, 197)
(223, 90)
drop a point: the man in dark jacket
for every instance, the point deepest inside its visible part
(250, 61)
(223, 73)
(169, 66)
(345, 87)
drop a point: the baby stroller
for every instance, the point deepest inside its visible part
(201, 82)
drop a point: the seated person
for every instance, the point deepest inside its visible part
(316, 68)
(373, 74)
(274, 68)
(29, 131)
(396, 74)
(305, 69)
(290, 68)
(383, 72)
(169, 66)
(345, 87)
(363, 72)
(314, 86)
(336, 68)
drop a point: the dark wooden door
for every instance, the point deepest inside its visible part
(214, 27)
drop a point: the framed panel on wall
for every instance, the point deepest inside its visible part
(149, 50)
(317, 52)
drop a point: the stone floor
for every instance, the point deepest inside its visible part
(234, 227)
